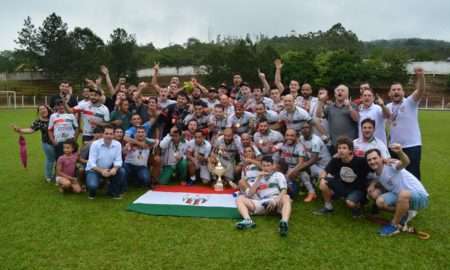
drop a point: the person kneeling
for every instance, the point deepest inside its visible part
(66, 168)
(405, 193)
(267, 194)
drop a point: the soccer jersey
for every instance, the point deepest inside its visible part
(295, 119)
(202, 150)
(91, 112)
(137, 156)
(309, 105)
(202, 120)
(163, 104)
(249, 173)
(218, 125)
(395, 180)
(316, 146)
(63, 126)
(289, 154)
(240, 124)
(271, 185)
(271, 116)
(229, 151)
(210, 103)
(404, 128)
(269, 142)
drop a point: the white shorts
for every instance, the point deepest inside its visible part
(260, 208)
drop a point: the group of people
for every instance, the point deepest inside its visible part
(271, 142)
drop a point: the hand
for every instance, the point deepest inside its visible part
(278, 64)
(113, 171)
(104, 70)
(396, 148)
(419, 71)
(105, 173)
(379, 100)
(15, 128)
(271, 205)
(142, 85)
(261, 75)
(194, 82)
(98, 81)
(323, 96)
(156, 66)
(347, 103)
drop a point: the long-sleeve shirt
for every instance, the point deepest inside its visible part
(104, 156)
(170, 150)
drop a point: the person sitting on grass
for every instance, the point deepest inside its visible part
(270, 188)
(173, 160)
(404, 194)
(250, 169)
(66, 168)
(105, 161)
(344, 177)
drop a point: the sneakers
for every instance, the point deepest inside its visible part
(323, 211)
(357, 213)
(91, 197)
(310, 197)
(119, 197)
(245, 224)
(283, 228)
(389, 230)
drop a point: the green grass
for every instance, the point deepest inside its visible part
(42, 229)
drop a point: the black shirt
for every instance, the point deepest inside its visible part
(173, 116)
(353, 174)
(41, 125)
(72, 101)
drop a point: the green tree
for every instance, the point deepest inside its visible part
(122, 54)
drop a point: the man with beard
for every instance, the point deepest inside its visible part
(266, 139)
(306, 101)
(65, 95)
(200, 115)
(197, 153)
(344, 177)
(405, 193)
(377, 112)
(217, 122)
(368, 140)
(93, 114)
(404, 128)
(241, 121)
(227, 149)
(271, 116)
(175, 113)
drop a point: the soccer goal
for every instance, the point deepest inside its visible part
(8, 99)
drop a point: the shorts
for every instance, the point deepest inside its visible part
(418, 200)
(342, 191)
(261, 207)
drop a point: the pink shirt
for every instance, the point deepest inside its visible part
(67, 164)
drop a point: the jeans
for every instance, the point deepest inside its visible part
(139, 173)
(49, 167)
(115, 185)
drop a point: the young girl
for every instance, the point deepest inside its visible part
(41, 124)
(66, 167)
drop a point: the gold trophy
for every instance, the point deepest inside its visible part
(219, 170)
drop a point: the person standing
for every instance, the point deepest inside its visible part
(404, 126)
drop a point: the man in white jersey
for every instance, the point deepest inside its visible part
(197, 153)
(404, 128)
(266, 139)
(270, 187)
(92, 113)
(405, 193)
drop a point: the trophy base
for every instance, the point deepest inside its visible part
(218, 187)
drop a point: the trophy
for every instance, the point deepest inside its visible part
(219, 170)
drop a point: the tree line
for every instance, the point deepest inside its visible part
(322, 58)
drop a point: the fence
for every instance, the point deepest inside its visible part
(439, 103)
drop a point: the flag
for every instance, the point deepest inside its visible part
(187, 201)
(23, 151)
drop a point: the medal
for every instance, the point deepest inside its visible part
(238, 125)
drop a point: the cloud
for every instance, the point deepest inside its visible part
(174, 21)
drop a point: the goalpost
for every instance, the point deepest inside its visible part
(8, 99)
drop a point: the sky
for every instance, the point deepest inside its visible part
(165, 22)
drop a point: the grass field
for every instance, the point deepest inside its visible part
(42, 229)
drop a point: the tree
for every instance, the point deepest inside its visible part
(299, 65)
(122, 54)
(29, 50)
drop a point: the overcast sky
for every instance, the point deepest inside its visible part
(173, 21)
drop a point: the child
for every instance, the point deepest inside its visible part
(66, 166)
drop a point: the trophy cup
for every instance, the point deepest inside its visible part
(219, 170)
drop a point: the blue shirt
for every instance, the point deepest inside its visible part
(131, 132)
(104, 156)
